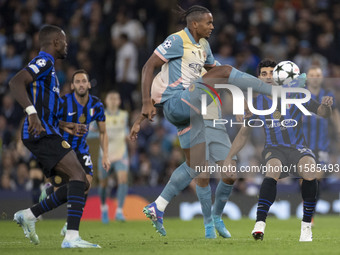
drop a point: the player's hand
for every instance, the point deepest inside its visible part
(72, 128)
(228, 162)
(34, 125)
(134, 131)
(106, 163)
(327, 101)
(148, 110)
(239, 118)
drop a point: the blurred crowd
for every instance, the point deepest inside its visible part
(113, 39)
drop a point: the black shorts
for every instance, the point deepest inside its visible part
(287, 155)
(86, 162)
(48, 150)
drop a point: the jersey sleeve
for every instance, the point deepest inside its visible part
(39, 68)
(210, 61)
(99, 112)
(171, 48)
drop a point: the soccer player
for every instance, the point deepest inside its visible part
(36, 88)
(315, 128)
(177, 89)
(117, 127)
(83, 108)
(285, 146)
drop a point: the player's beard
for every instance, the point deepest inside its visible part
(84, 94)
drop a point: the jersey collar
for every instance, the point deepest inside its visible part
(190, 36)
(49, 56)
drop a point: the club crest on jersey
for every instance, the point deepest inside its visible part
(277, 115)
(65, 144)
(82, 118)
(41, 62)
(91, 112)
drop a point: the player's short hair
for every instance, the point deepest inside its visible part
(80, 71)
(194, 13)
(265, 63)
(46, 32)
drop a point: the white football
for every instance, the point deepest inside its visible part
(284, 72)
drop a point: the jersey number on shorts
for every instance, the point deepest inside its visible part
(87, 159)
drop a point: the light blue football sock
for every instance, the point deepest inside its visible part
(244, 81)
(102, 194)
(121, 194)
(204, 196)
(222, 195)
(179, 180)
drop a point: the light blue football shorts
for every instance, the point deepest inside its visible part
(119, 165)
(183, 111)
(217, 142)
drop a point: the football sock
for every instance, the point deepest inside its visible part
(222, 194)
(309, 192)
(75, 204)
(204, 196)
(244, 81)
(179, 180)
(36, 190)
(102, 194)
(50, 202)
(161, 203)
(266, 198)
(121, 194)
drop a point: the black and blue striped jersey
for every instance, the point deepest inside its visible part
(44, 94)
(72, 111)
(283, 130)
(315, 128)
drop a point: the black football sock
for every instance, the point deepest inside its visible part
(49, 190)
(50, 202)
(266, 198)
(75, 204)
(309, 193)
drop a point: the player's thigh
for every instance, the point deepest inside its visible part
(195, 157)
(70, 166)
(307, 168)
(274, 166)
(217, 72)
(203, 178)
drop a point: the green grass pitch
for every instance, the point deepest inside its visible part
(183, 237)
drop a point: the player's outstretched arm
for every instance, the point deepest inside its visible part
(325, 109)
(18, 89)
(136, 127)
(238, 143)
(104, 144)
(148, 110)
